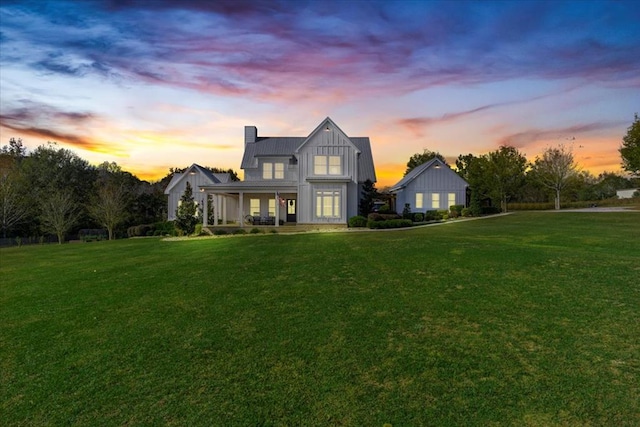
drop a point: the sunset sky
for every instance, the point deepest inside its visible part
(162, 83)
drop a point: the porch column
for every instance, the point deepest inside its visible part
(241, 209)
(205, 210)
(224, 209)
(277, 224)
(215, 209)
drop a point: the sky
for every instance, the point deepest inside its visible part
(157, 84)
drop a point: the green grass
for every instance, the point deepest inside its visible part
(527, 319)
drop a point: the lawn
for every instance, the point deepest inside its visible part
(526, 319)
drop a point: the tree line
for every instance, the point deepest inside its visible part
(51, 191)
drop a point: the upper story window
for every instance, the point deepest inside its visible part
(272, 170)
(327, 165)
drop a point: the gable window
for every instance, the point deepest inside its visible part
(327, 165)
(435, 201)
(328, 204)
(451, 199)
(272, 170)
(419, 200)
(254, 207)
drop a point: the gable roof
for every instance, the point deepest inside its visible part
(288, 146)
(213, 178)
(418, 170)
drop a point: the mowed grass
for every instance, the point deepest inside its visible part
(527, 319)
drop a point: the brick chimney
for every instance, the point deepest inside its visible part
(250, 134)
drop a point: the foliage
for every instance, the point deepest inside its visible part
(357, 221)
(382, 216)
(418, 217)
(406, 211)
(109, 204)
(421, 158)
(255, 230)
(186, 212)
(504, 317)
(630, 149)
(555, 170)
(219, 232)
(505, 174)
(456, 208)
(432, 215)
(58, 212)
(466, 212)
(389, 223)
(14, 202)
(367, 197)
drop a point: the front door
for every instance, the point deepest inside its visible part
(291, 210)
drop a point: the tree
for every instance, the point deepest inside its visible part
(420, 158)
(368, 196)
(109, 205)
(58, 212)
(630, 150)
(555, 170)
(14, 205)
(505, 172)
(186, 219)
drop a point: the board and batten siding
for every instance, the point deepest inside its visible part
(196, 181)
(440, 181)
(327, 143)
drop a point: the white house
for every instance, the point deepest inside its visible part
(430, 186)
(314, 179)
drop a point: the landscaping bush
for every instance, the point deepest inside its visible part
(466, 212)
(457, 209)
(490, 210)
(240, 231)
(140, 230)
(219, 232)
(432, 216)
(90, 234)
(406, 212)
(418, 217)
(382, 217)
(357, 221)
(255, 231)
(166, 228)
(453, 214)
(385, 209)
(389, 223)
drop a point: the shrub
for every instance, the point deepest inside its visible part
(273, 231)
(385, 209)
(406, 212)
(453, 214)
(389, 223)
(490, 210)
(140, 230)
(255, 231)
(432, 216)
(466, 212)
(357, 221)
(198, 230)
(219, 232)
(240, 231)
(418, 217)
(457, 209)
(165, 228)
(383, 217)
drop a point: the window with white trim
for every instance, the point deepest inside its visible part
(272, 207)
(272, 170)
(327, 165)
(419, 200)
(435, 201)
(451, 199)
(254, 207)
(328, 204)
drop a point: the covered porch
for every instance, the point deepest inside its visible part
(241, 204)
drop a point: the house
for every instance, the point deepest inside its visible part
(627, 193)
(196, 176)
(430, 186)
(314, 179)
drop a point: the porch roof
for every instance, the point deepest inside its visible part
(252, 187)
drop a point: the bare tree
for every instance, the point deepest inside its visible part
(14, 207)
(555, 170)
(58, 212)
(109, 206)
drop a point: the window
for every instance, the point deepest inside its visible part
(267, 170)
(327, 165)
(278, 171)
(254, 207)
(327, 204)
(272, 207)
(419, 204)
(435, 201)
(272, 170)
(451, 199)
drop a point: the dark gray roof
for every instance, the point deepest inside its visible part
(415, 172)
(287, 146)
